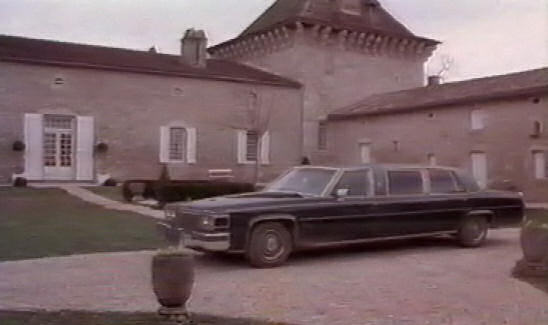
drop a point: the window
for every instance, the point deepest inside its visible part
(432, 160)
(537, 129)
(311, 181)
(252, 143)
(405, 182)
(177, 143)
(365, 153)
(541, 164)
(248, 142)
(477, 120)
(479, 168)
(356, 182)
(322, 136)
(443, 181)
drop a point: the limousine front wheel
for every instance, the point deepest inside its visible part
(270, 245)
(472, 231)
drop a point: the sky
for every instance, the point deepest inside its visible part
(482, 37)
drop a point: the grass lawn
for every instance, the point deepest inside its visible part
(49, 222)
(110, 192)
(83, 318)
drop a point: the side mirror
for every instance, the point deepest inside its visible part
(341, 192)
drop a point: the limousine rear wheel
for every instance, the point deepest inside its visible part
(269, 245)
(472, 231)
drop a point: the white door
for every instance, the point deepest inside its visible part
(479, 168)
(58, 147)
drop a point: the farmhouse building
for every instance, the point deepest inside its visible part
(84, 111)
(493, 127)
(336, 81)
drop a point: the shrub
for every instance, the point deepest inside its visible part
(129, 189)
(20, 182)
(194, 190)
(110, 182)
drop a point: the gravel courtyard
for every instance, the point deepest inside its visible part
(428, 281)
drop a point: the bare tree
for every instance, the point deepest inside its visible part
(259, 120)
(441, 65)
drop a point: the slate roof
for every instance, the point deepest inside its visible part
(287, 12)
(512, 85)
(38, 51)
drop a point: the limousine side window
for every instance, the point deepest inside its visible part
(443, 181)
(356, 182)
(405, 182)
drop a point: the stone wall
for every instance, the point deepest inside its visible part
(130, 108)
(446, 133)
(335, 76)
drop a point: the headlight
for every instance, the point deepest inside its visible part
(214, 222)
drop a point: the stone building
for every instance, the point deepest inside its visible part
(82, 112)
(340, 50)
(338, 81)
(494, 127)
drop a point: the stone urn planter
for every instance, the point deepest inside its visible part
(172, 283)
(534, 243)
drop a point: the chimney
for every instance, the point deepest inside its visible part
(193, 48)
(434, 80)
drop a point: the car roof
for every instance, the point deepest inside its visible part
(379, 166)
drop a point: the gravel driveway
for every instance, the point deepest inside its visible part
(428, 281)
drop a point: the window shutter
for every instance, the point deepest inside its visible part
(34, 167)
(540, 164)
(265, 148)
(84, 148)
(164, 144)
(242, 144)
(191, 145)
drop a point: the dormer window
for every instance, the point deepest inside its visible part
(58, 81)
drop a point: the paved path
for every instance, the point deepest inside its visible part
(91, 197)
(428, 281)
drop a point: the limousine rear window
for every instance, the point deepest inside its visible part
(405, 182)
(311, 181)
(443, 181)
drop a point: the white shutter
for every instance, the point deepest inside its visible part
(191, 145)
(365, 153)
(164, 144)
(34, 165)
(540, 164)
(242, 146)
(84, 148)
(265, 148)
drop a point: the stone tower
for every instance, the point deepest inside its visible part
(340, 50)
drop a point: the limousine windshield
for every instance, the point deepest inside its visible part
(305, 181)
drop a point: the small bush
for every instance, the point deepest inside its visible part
(195, 190)
(110, 182)
(129, 189)
(20, 182)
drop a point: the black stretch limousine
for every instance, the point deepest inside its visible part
(323, 206)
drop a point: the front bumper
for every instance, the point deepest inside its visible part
(216, 242)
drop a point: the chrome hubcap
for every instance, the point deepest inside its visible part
(273, 248)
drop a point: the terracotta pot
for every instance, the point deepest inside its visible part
(534, 242)
(172, 279)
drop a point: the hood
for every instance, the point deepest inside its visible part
(245, 201)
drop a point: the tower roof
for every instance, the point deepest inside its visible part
(356, 15)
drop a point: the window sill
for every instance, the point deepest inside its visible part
(252, 163)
